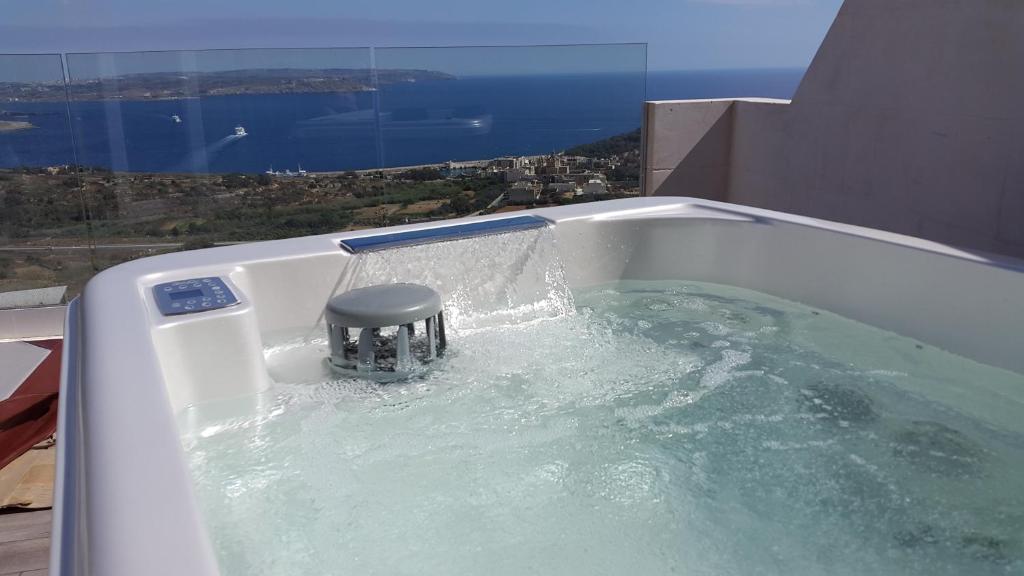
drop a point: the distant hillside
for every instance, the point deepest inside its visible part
(614, 146)
(172, 85)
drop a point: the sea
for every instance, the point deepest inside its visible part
(414, 123)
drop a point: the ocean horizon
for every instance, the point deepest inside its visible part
(470, 118)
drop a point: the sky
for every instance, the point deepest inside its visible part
(680, 34)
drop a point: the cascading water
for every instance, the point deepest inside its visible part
(512, 277)
(487, 281)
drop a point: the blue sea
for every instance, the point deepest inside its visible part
(406, 124)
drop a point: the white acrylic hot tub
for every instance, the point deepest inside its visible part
(125, 504)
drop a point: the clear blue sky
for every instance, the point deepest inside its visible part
(681, 34)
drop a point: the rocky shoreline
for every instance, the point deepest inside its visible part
(13, 126)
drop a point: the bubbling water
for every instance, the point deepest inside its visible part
(643, 427)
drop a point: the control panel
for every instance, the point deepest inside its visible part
(192, 296)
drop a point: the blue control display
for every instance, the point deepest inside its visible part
(186, 295)
(194, 295)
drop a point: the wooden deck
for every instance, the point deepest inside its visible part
(25, 543)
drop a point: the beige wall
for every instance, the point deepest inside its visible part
(697, 162)
(910, 119)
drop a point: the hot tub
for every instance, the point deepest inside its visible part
(671, 373)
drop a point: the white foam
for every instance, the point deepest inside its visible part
(488, 281)
(617, 439)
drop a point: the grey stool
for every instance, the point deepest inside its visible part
(388, 339)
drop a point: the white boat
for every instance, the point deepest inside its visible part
(240, 131)
(288, 172)
(176, 119)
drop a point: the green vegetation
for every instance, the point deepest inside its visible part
(622, 144)
(24, 212)
(232, 207)
(69, 211)
(624, 147)
(58, 208)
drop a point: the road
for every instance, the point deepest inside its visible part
(161, 246)
(156, 246)
(489, 206)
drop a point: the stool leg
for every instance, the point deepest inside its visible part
(403, 346)
(344, 343)
(334, 340)
(442, 342)
(366, 348)
(431, 338)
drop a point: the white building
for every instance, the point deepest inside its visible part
(562, 187)
(518, 174)
(594, 187)
(523, 193)
(509, 162)
(577, 163)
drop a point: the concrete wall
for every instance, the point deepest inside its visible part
(909, 120)
(697, 162)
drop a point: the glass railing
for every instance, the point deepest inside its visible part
(504, 101)
(162, 151)
(44, 236)
(223, 111)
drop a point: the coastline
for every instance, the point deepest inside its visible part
(15, 125)
(157, 86)
(135, 98)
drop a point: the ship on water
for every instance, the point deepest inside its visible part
(240, 131)
(176, 119)
(286, 173)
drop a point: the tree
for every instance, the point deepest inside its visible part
(234, 180)
(423, 174)
(460, 204)
(616, 145)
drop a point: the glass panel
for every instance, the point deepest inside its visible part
(477, 104)
(33, 113)
(43, 235)
(223, 111)
(222, 145)
(482, 103)
(186, 149)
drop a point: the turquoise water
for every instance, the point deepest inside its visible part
(646, 428)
